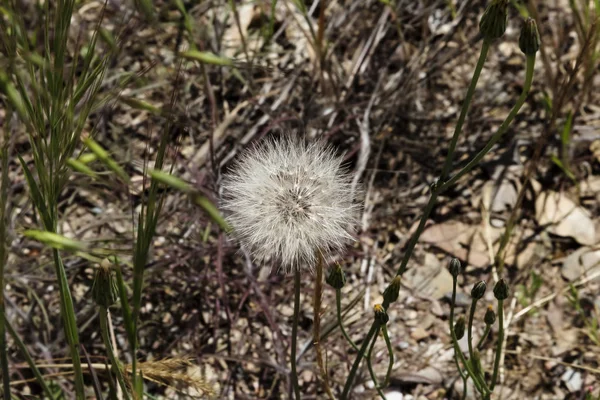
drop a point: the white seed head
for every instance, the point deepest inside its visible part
(287, 201)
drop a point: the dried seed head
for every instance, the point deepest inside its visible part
(287, 201)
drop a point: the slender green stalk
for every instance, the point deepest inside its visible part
(463, 112)
(295, 383)
(457, 350)
(338, 302)
(359, 356)
(390, 350)
(486, 332)
(103, 315)
(498, 355)
(470, 326)
(501, 131)
(449, 158)
(370, 366)
(463, 376)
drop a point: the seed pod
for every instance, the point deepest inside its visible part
(454, 267)
(493, 21)
(336, 278)
(490, 316)
(459, 328)
(104, 289)
(478, 290)
(501, 290)
(529, 41)
(392, 292)
(380, 314)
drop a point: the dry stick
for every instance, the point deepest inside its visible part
(317, 325)
(295, 383)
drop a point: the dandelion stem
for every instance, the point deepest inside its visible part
(486, 332)
(359, 356)
(338, 301)
(370, 366)
(500, 312)
(457, 350)
(317, 324)
(388, 344)
(295, 383)
(449, 158)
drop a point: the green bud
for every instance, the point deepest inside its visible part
(490, 316)
(501, 290)
(336, 278)
(392, 292)
(478, 290)
(529, 41)
(380, 314)
(104, 289)
(493, 22)
(454, 267)
(459, 328)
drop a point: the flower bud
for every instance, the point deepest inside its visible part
(454, 267)
(478, 290)
(490, 316)
(459, 328)
(336, 278)
(391, 293)
(104, 289)
(380, 314)
(493, 22)
(501, 290)
(529, 41)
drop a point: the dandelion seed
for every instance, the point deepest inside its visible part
(287, 200)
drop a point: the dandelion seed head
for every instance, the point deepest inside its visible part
(286, 200)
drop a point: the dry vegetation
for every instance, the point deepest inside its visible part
(383, 81)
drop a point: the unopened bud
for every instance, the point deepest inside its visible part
(380, 314)
(501, 290)
(104, 289)
(336, 278)
(490, 316)
(478, 290)
(392, 292)
(493, 22)
(529, 41)
(454, 267)
(459, 328)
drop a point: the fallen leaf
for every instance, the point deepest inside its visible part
(565, 218)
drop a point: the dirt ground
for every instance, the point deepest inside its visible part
(385, 87)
